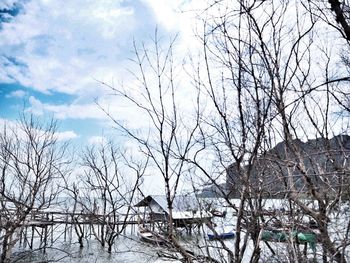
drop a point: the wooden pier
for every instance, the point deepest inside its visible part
(40, 229)
(57, 217)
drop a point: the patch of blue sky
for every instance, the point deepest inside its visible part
(9, 106)
(9, 9)
(53, 66)
(82, 127)
(14, 99)
(7, 14)
(86, 129)
(13, 61)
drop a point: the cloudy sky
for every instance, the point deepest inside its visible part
(53, 52)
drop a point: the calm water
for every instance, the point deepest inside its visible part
(128, 248)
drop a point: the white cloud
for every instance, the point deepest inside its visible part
(62, 46)
(75, 111)
(66, 135)
(180, 16)
(66, 111)
(15, 127)
(16, 94)
(36, 108)
(167, 12)
(55, 46)
(99, 140)
(120, 110)
(7, 4)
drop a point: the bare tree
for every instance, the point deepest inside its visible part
(335, 13)
(32, 162)
(168, 140)
(111, 182)
(266, 85)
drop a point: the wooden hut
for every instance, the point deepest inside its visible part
(187, 211)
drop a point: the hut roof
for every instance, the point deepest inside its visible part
(181, 203)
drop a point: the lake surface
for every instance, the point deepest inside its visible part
(128, 247)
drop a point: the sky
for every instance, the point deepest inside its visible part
(54, 54)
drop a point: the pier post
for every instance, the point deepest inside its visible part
(25, 237)
(41, 234)
(45, 238)
(52, 227)
(21, 236)
(32, 238)
(71, 229)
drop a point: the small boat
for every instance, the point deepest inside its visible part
(285, 235)
(219, 213)
(274, 235)
(221, 233)
(220, 236)
(151, 237)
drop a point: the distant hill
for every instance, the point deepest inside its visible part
(320, 163)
